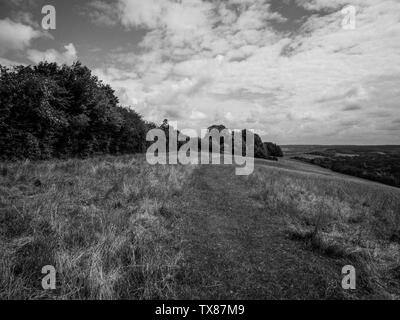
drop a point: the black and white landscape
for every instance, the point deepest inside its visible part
(199, 150)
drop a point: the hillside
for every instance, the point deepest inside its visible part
(375, 163)
(115, 227)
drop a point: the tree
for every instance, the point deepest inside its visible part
(63, 111)
(273, 150)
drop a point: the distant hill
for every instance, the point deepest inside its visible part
(376, 163)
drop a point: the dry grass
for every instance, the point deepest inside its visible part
(342, 219)
(109, 228)
(105, 224)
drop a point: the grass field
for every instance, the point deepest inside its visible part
(103, 223)
(339, 218)
(118, 228)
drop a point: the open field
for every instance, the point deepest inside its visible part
(115, 227)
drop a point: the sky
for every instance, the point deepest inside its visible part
(287, 69)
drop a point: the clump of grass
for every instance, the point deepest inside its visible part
(103, 223)
(341, 219)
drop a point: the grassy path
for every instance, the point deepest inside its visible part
(234, 249)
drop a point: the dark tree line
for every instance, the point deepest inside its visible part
(64, 111)
(268, 151)
(273, 149)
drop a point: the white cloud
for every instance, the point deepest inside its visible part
(69, 56)
(225, 60)
(198, 115)
(175, 16)
(140, 13)
(323, 4)
(16, 36)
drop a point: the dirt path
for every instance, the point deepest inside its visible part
(234, 249)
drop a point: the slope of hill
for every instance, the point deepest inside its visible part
(286, 232)
(375, 163)
(119, 228)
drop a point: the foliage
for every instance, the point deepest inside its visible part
(51, 111)
(176, 133)
(273, 150)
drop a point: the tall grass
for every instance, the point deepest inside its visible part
(104, 224)
(344, 219)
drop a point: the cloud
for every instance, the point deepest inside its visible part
(69, 56)
(16, 36)
(354, 94)
(26, 18)
(102, 13)
(9, 63)
(352, 108)
(229, 61)
(197, 115)
(317, 5)
(172, 15)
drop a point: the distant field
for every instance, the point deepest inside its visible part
(376, 163)
(291, 150)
